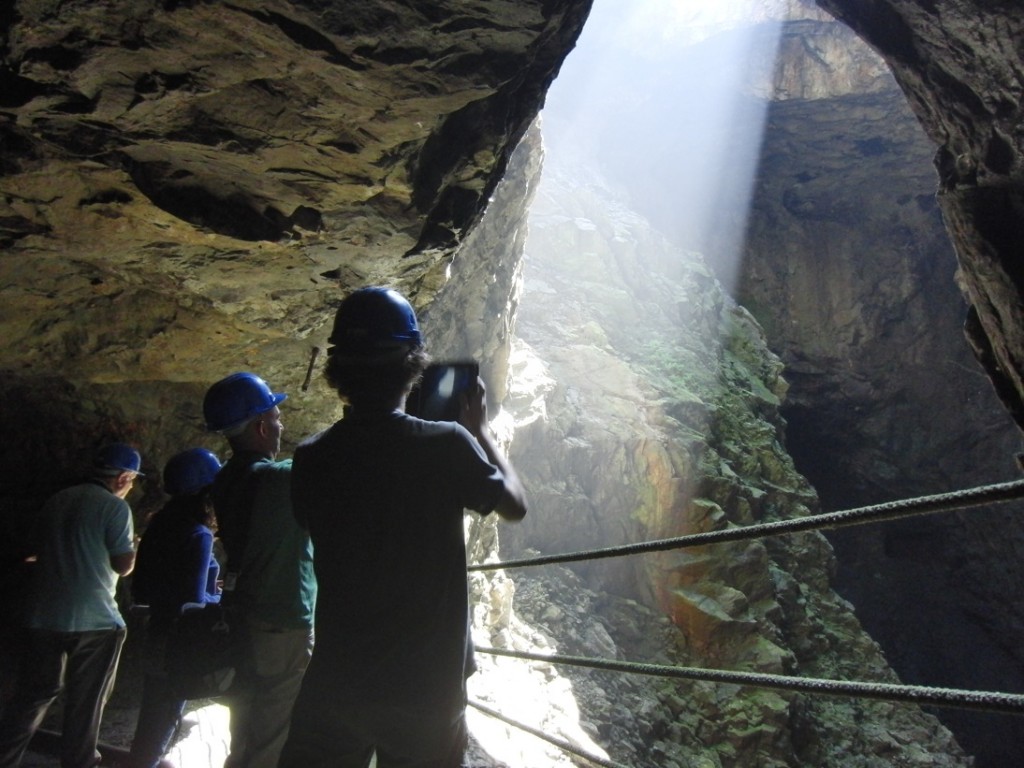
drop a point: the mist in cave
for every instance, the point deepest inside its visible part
(668, 121)
(666, 100)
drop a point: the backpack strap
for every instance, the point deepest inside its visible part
(234, 496)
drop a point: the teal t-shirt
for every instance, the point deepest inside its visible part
(73, 585)
(270, 552)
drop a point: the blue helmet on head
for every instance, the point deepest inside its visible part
(115, 458)
(235, 399)
(373, 323)
(190, 471)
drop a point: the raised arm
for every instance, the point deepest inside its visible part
(512, 504)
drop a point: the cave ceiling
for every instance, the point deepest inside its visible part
(192, 185)
(188, 188)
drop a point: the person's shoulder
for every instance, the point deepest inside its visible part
(59, 501)
(199, 531)
(447, 436)
(83, 488)
(456, 433)
(92, 494)
(426, 428)
(271, 476)
(320, 443)
(273, 466)
(317, 437)
(323, 438)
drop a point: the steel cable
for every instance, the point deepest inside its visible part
(563, 745)
(989, 701)
(892, 510)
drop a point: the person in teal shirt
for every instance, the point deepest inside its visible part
(85, 541)
(269, 574)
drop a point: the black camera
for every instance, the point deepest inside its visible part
(437, 395)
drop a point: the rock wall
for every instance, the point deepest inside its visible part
(845, 262)
(648, 407)
(962, 68)
(189, 188)
(849, 268)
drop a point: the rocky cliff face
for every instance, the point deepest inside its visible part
(855, 281)
(960, 67)
(648, 405)
(846, 264)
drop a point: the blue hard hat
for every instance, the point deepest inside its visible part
(373, 321)
(115, 458)
(190, 471)
(235, 399)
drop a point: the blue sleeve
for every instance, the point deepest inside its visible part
(212, 575)
(197, 566)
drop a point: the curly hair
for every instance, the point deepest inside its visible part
(367, 384)
(197, 507)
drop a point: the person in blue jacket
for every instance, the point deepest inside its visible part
(175, 565)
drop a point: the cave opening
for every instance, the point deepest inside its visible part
(824, 226)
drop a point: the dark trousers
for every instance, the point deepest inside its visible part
(329, 732)
(159, 715)
(83, 665)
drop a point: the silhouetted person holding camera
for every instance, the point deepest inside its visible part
(383, 495)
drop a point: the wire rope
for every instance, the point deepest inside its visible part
(892, 510)
(1007, 703)
(563, 745)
